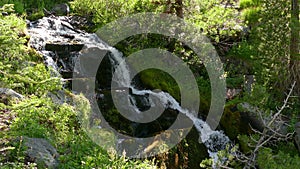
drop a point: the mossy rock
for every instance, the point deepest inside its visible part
(156, 79)
(232, 122)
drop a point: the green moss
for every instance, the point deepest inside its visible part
(156, 79)
(232, 122)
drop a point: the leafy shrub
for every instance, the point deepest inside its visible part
(249, 3)
(105, 11)
(21, 68)
(32, 6)
(267, 159)
(214, 18)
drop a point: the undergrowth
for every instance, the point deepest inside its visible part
(38, 116)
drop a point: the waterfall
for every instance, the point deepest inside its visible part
(57, 30)
(213, 140)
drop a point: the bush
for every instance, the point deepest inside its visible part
(105, 11)
(267, 159)
(32, 6)
(21, 68)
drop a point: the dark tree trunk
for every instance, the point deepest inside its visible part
(294, 65)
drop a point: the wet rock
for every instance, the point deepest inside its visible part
(41, 152)
(297, 135)
(83, 23)
(60, 47)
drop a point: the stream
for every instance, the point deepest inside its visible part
(61, 44)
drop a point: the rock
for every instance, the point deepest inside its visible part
(297, 135)
(251, 114)
(83, 23)
(233, 123)
(60, 47)
(41, 152)
(59, 97)
(60, 10)
(10, 93)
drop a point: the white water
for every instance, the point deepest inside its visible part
(213, 140)
(49, 30)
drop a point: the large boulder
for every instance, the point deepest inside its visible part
(41, 152)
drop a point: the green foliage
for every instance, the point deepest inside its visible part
(36, 115)
(215, 18)
(249, 3)
(81, 152)
(35, 16)
(223, 154)
(267, 49)
(250, 11)
(21, 68)
(259, 96)
(267, 159)
(243, 50)
(236, 82)
(251, 15)
(105, 11)
(31, 6)
(40, 117)
(271, 38)
(246, 143)
(9, 8)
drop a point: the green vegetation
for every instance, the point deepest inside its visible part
(253, 37)
(31, 6)
(22, 70)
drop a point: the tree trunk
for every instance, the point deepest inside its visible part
(294, 65)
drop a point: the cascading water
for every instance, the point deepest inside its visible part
(57, 30)
(213, 140)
